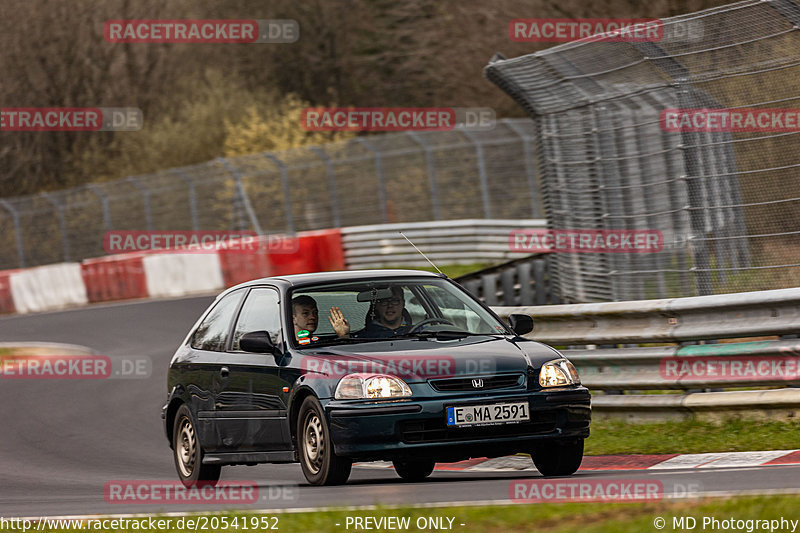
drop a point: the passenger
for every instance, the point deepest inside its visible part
(305, 314)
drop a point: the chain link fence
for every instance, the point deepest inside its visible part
(378, 179)
(726, 200)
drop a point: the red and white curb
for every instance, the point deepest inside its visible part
(516, 463)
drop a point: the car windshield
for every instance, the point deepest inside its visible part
(365, 311)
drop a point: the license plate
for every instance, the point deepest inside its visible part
(481, 415)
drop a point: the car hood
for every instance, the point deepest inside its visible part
(421, 359)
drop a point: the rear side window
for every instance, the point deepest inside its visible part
(212, 334)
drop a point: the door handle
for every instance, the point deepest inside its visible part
(224, 372)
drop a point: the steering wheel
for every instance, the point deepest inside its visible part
(427, 321)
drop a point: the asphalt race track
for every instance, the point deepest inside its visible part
(61, 441)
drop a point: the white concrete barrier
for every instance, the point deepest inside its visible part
(48, 288)
(179, 274)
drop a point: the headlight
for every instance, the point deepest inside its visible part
(558, 373)
(371, 386)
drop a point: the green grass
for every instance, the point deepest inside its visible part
(691, 436)
(554, 518)
(452, 271)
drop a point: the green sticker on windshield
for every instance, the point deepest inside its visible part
(303, 333)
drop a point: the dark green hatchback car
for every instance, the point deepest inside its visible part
(325, 369)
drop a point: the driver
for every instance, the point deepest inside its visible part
(389, 319)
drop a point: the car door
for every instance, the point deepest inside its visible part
(200, 368)
(250, 414)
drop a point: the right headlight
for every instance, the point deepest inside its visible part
(371, 386)
(558, 373)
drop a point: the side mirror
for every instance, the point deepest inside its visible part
(258, 342)
(520, 324)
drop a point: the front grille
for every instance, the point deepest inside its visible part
(465, 384)
(436, 430)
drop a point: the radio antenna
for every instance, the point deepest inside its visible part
(420, 253)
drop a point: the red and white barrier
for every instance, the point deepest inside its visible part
(163, 274)
(48, 287)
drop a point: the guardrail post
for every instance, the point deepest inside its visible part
(148, 214)
(487, 206)
(242, 195)
(287, 193)
(192, 197)
(17, 231)
(381, 182)
(530, 167)
(104, 202)
(429, 162)
(62, 225)
(331, 171)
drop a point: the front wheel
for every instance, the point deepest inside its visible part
(321, 466)
(413, 470)
(557, 458)
(188, 453)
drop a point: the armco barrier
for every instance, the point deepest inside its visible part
(48, 287)
(118, 277)
(6, 299)
(578, 330)
(238, 267)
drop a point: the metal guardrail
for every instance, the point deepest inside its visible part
(466, 241)
(519, 282)
(605, 340)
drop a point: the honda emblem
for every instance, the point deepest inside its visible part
(477, 383)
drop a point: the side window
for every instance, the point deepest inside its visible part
(260, 312)
(212, 334)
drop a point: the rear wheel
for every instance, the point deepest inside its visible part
(321, 466)
(558, 458)
(414, 470)
(188, 453)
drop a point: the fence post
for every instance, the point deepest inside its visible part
(242, 194)
(104, 201)
(287, 193)
(337, 219)
(381, 183)
(530, 167)
(17, 230)
(148, 213)
(192, 197)
(431, 173)
(487, 207)
(62, 225)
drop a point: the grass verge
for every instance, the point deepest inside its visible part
(691, 436)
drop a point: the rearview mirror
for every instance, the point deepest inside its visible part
(378, 294)
(258, 342)
(520, 324)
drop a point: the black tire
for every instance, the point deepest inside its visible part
(558, 458)
(320, 464)
(188, 452)
(413, 471)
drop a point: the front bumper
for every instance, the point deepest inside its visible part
(417, 428)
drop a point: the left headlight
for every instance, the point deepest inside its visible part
(558, 373)
(371, 386)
